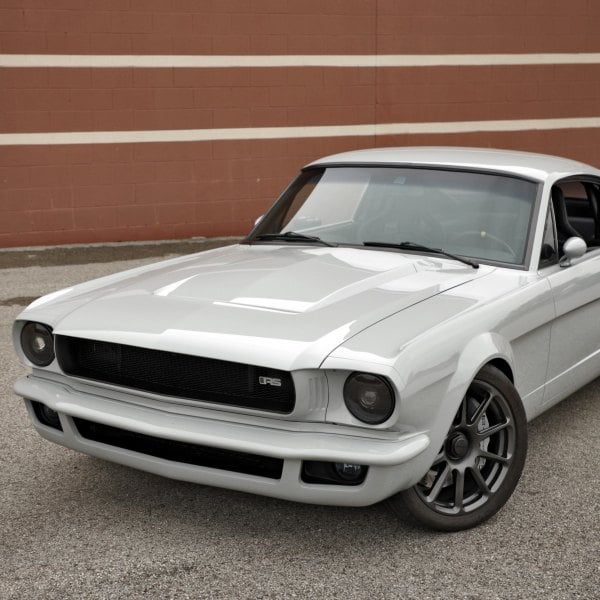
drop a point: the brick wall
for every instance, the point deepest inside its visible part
(56, 189)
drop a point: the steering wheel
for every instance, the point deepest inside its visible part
(484, 235)
(419, 228)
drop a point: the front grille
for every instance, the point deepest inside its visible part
(182, 452)
(179, 375)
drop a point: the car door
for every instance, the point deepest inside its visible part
(574, 357)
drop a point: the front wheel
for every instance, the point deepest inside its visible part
(480, 461)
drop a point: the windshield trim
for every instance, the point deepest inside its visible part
(424, 166)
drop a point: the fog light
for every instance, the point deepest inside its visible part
(349, 471)
(46, 415)
(50, 417)
(330, 473)
(38, 343)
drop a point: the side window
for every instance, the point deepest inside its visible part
(549, 253)
(580, 206)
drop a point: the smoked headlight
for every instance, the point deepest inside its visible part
(369, 398)
(38, 343)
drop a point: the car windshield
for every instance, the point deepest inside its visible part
(483, 216)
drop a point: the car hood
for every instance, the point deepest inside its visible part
(280, 306)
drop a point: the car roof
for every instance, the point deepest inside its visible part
(525, 164)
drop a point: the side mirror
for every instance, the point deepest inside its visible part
(573, 248)
(258, 220)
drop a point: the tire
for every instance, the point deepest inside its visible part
(479, 463)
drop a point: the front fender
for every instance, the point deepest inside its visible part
(479, 351)
(442, 398)
(431, 382)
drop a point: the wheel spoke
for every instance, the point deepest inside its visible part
(480, 481)
(491, 456)
(441, 457)
(464, 411)
(490, 431)
(439, 484)
(481, 409)
(459, 489)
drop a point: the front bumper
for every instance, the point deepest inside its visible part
(395, 459)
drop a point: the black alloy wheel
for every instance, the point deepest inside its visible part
(480, 461)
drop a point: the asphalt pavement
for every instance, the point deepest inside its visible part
(72, 526)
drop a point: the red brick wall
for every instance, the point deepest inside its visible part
(65, 193)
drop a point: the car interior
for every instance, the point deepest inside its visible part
(576, 212)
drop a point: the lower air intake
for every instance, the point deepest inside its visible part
(181, 452)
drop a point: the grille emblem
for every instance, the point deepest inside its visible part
(274, 381)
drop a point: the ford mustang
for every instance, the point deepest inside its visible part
(385, 332)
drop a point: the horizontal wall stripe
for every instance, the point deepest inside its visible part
(101, 61)
(273, 133)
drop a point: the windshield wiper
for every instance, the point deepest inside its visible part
(414, 246)
(292, 236)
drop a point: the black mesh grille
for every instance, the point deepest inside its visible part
(182, 452)
(180, 375)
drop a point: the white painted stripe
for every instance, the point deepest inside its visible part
(273, 133)
(295, 60)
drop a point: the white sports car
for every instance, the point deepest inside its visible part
(384, 332)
